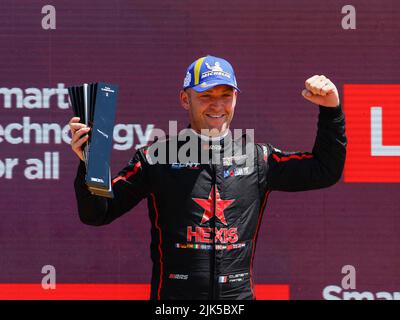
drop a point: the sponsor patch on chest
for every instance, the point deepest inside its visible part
(188, 165)
(235, 160)
(236, 171)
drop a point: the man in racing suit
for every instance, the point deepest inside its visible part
(206, 215)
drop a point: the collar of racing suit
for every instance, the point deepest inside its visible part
(207, 138)
(226, 145)
(209, 149)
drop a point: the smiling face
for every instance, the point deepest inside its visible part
(212, 110)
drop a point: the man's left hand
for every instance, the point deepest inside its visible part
(321, 91)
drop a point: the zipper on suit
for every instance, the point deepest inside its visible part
(212, 291)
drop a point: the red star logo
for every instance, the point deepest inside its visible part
(208, 206)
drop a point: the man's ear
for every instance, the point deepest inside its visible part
(185, 99)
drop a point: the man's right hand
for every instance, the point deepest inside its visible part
(79, 135)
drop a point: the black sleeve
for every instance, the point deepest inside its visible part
(130, 186)
(297, 171)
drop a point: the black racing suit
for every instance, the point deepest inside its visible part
(205, 217)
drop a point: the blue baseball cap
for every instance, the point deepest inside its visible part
(208, 72)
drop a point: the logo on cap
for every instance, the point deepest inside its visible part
(188, 78)
(215, 70)
(205, 84)
(215, 67)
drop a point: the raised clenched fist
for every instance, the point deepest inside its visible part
(321, 91)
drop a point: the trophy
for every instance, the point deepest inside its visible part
(95, 104)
